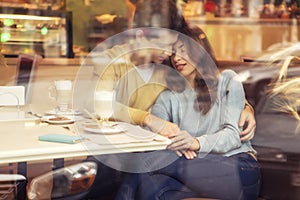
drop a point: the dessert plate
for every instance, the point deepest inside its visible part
(53, 119)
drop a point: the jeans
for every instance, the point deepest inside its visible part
(212, 176)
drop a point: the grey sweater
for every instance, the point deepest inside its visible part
(218, 130)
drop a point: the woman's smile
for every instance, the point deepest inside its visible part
(180, 66)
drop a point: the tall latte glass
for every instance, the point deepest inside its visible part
(103, 105)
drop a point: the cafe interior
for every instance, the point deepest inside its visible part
(44, 49)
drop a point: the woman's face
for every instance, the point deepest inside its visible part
(179, 59)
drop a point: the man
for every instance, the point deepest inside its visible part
(139, 74)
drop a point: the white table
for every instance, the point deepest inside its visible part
(20, 144)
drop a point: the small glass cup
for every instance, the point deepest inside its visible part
(63, 94)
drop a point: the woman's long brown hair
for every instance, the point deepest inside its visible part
(206, 79)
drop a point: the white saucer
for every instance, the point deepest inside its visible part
(52, 119)
(68, 112)
(103, 130)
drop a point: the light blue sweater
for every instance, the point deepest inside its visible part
(218, 130)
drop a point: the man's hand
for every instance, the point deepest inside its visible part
(247, 118)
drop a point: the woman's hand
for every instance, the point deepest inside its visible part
(183, 141)
(247, 118)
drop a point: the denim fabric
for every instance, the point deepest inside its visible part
(250, 176)
(214, 176)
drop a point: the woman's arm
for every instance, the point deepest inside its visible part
(160, 119)
(158, 125)
(227, 138)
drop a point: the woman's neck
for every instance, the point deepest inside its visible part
(191, 79)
